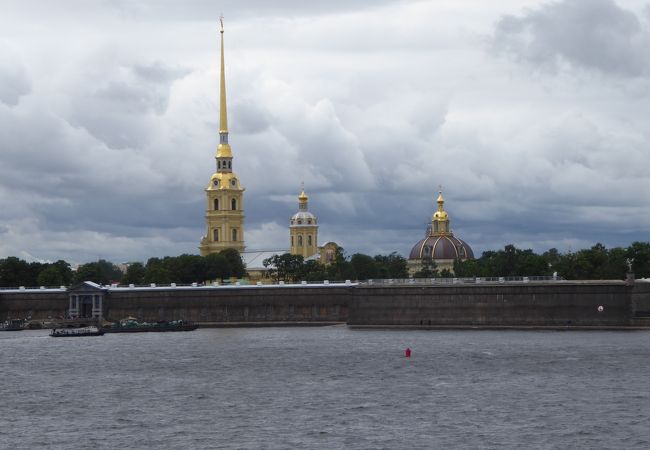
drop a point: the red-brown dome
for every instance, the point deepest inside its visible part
(441, 247)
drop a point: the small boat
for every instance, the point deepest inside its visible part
(76, 332)
(13, 325)
(131, 325)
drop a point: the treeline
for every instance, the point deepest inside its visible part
(595, 263)
(288, 267)
(186, 269)
(182, 269)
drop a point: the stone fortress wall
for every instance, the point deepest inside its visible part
(558, 304)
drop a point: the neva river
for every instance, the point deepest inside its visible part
(327, 388)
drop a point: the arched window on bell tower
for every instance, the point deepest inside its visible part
(234, 234)
(215, 234)
(216, 204)
(233, 205)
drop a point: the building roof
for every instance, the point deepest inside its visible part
(254, 260)
(441, 247)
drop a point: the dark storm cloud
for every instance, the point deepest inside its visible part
(594, 34)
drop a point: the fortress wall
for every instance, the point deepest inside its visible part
(641, 299)
(36, 304)
(246, 304)
(532, 304)
(493, 305)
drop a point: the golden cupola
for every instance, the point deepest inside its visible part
(440, 219)
(303, 199)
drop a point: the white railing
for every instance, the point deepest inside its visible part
(327, 283)
(466, 280)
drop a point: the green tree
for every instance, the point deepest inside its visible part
(616, 267)
(470, 268)
(428, 269)
(391, 266)
(236, 266)
(591, 262)
(216, 267)
(65, 270)
(313, 271)
(340, 268)
(639, 253)
(91, 272)
(363, 266)
(156, 272)
(101, 272)
(285, 267)
(187, 268)
(566, 266)
(50, 276)
(135, 274)
(15, 272)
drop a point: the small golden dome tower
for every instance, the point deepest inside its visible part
(440, 219)
(224, 214)
(303, 229)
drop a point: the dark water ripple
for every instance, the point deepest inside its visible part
(279, 388)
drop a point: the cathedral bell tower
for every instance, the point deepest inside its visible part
(303, 229)
(224, 214)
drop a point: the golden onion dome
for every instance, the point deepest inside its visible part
(303, 197)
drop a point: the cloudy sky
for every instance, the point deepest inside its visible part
(533, 116)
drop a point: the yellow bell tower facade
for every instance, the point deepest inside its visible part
(303, 229)
(224, 214)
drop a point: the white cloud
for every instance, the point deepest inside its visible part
(14, 80)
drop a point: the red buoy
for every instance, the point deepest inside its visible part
(407, 352)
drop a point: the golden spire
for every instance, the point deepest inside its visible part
(223, 151)
(223, 119)
(441, 201)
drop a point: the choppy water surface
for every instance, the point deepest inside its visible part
(332, 388)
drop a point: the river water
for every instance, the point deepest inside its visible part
(328, 388)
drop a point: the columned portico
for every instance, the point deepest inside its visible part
(86, 300)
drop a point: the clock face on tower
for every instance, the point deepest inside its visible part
(216, 182)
